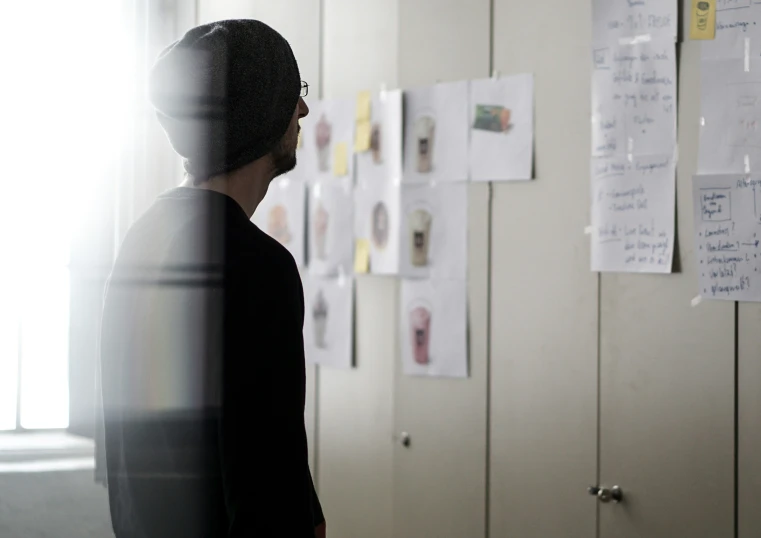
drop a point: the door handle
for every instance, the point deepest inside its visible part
(606, 495)
(405, 439)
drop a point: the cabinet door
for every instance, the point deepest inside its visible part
(667, 381)
(544, 300)
(440, 479)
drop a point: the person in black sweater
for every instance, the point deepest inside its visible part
(202, 356)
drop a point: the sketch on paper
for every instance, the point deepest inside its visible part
(376, 144)
(380, 225)
(492, 118)
(425, 128)
(320, 320)
(420, 331)
(323, 130)
(320, 226)
(277, 224)
(420, 221)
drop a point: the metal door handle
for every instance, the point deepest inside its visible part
(606, 495)
(405, 439)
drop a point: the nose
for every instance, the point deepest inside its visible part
(303, 108)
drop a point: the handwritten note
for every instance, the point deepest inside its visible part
(703, 19)
(633, 214)
(728, 236)
(634, 99)
(626, 20)
(738, 30)
(730, 132)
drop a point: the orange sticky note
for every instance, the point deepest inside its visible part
(362, 135)
(362, 256)
(364, 104)
(340, 159)
(703, 19)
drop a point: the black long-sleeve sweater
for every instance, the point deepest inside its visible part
(202, 366)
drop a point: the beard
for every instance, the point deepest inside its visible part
(284, 157)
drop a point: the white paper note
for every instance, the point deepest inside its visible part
(282, 215)
(617, 20)
(633, 214)
(634, 99)
(730, 132)
(377, 219)
(738, 28)
(728, 236)
(331, 227)
(436, 133)
(434, 231)
(384, 160)
(433, 328)
(329, 321)
(501, 128)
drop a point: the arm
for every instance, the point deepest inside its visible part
(263, 441)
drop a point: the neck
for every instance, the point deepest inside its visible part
(247, 185)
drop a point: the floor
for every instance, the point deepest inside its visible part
(47, 489)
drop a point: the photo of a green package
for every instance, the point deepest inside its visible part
(492, 118)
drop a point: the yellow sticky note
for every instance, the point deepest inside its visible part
(340, 159)
(363, 106)
(703, 19)
(362, 256)
(362, 135)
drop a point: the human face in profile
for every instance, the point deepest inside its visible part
(284, 154)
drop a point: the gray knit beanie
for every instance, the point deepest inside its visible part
(225, 94)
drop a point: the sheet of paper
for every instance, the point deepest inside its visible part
(634, 99)
(727, 212)
(433, 328)
(329, 321)
(436, 133)
(434, 231)
(633, 214)
(331, 227)
(364, 104)
(730, 132)
(362, 256)
(738, 30)
(703, 19)
(614, 21)
(501, 128)
(282, 215)
(377, 215)
(384, 160)
(328, 124)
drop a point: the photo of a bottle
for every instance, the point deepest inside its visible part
(320, 227)
(323, 132)
(425, 128)
(380, 226)
(420, 222)
(277, 224)
(320, 320)
(375, 143)
(420, 333)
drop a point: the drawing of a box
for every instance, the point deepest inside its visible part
(715, 205)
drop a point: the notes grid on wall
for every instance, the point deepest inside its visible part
(727, 189)
(633, 135)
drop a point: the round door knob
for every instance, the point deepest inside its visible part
(606, 495)
(405, 439)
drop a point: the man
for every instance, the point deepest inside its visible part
(202, 355)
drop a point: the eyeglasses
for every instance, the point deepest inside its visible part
(304, 89)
